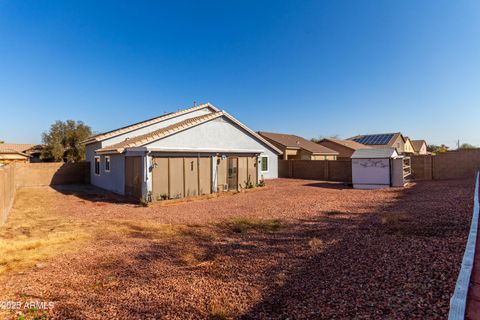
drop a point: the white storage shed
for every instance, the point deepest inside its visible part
(379, 168)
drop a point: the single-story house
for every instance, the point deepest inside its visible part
(345, 148)
(381, 141)
(195, 151)
(408, 147)
(298, 148)
(420, 146)
(15, 152)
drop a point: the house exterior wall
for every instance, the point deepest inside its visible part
(289, 154)
(115, 179)
(399, 144)
(323, 157)
(220, 134)
(423, 149)
(14, 157)
(90, 157)
(408, 147)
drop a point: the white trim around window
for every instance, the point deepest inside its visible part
(261, 163)
(96, 165)
(108, 164)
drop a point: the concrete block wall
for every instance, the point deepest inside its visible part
(449, 165)
(46, 174)
(7, 190)
(18, 175)
(335, 170)
(422, 167)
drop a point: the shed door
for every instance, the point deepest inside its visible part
(133, 177)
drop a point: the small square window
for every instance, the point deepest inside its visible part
(107, 164)
(97, 165)
(264, 163)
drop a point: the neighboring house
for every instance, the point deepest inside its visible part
(408, 147)
(382, 141)
(420, 146)
(298, 148)
(195, 151)
(345, 148)
(15, 152)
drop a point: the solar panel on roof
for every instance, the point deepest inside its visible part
(375, 139)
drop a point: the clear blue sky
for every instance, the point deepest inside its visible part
(305, 67)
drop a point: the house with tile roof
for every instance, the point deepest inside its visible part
(297, 148)
(199, 150)
(15, 152)
(420, 146)
(384, 140)
(345, 148)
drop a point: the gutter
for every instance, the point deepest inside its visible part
(458, 302)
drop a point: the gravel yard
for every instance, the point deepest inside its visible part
(298, 248)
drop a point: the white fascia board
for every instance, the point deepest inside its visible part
(197, 150)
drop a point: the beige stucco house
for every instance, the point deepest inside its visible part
(408, 146)
(15, 152)
(298, 148)
(420, 146)
(385, 140)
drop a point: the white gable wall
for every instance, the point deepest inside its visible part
(219, 134)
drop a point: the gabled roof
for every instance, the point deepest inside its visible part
(295, 142)
(116, 132)
(15, 147)
(382, 139)
(158, 134)
(417, 144)
(374, 153)
(347, 143)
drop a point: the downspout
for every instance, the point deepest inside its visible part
(147, 197)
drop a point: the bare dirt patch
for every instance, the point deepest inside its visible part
(297, 249)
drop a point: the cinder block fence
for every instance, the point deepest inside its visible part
(327, 170)
(449, 165)
(17, 175)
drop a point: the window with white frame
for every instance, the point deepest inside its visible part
(107, 163)
(264, 163)
(97, 165)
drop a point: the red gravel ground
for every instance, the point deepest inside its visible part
(299, 249)
(473, 298)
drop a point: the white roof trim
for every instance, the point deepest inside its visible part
(129, 128)
(203, 150)
(375, 153)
